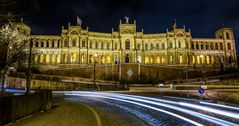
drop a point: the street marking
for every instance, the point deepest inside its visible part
(97, 117)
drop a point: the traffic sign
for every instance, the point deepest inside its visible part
(201, 91)
(130, 72)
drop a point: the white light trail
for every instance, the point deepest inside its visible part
(220, 105)
(147, 100)
(143, 105)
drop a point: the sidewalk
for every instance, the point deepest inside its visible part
(65, 114)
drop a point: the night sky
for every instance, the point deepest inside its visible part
(203, 17)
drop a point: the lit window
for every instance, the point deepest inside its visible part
(138, 47)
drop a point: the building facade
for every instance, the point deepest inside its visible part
(175, 47)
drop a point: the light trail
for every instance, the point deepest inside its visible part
(212, 110)
(146, 100)
(143, 105)
(220, 105)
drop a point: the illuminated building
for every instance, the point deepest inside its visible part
(176, 47)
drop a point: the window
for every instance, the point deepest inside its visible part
(83, 43)
(74, 43)
(170, 45)
(202, 46)
(192, 46)
(42, 44)
(179, 44)
(102, 45)
(138, 47)
(227, 35)
(108, 45)
(163, 45)
(146, 46)
(36, 44)
(221, 46)
(186, 45)
(58, 44)
(157, 46)
(206, 46)
(216, 46)
(65, 43)
(197, 46)
(116, 46)
(229, 46)
(96, 45)
(127, 44)
(211, 46)
(47, 44)
(53, 44)
(151, 46)
(90, 44)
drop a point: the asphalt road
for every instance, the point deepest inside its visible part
(138, 107)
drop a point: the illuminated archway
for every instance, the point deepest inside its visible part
(47, 58)
(73, 57)
(163, 60)
(102, 59)
(180, 59)
(41, 58)
(58, 58)
(53, 58)
(207, 59)
(146, 60)
(157, 59)
(108, 59)
(194, 59)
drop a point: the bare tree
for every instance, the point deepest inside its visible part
(13, 45)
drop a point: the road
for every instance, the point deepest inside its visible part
(137, 107)
(163, 111)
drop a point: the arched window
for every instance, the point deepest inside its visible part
(221, 46)
(127, 44)
(96, 45)
(53, 44)
(211, 46)
(192, 46)
(47, 44)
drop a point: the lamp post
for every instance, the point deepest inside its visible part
(95, 56)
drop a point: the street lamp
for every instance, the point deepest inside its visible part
(95, 56)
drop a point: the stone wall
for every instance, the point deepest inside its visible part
(69, 83)
(16, 107)
(141, 73)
